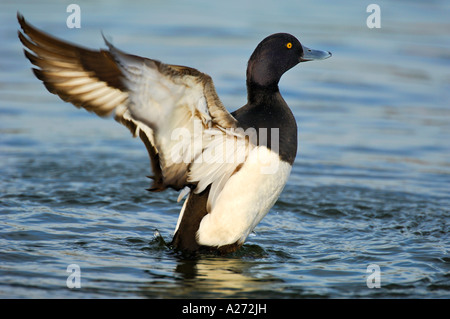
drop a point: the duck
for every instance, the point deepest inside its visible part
(228, 167)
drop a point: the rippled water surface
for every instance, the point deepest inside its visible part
(370, 184)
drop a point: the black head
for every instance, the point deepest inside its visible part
(275, 55)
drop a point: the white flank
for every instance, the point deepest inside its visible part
(245, 199)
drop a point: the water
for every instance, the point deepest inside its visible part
(370, 184)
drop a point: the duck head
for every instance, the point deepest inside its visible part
(275, 55)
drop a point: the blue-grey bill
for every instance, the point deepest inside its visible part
(311, 55)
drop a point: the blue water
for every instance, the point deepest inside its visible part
(370, 184)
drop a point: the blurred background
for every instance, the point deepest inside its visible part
(370, 184)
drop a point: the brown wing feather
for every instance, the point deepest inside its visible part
(65, 69)
(100, 62)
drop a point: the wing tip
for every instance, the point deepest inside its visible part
(21, 33)
(24, 25)
(107, 42)
(20, 18)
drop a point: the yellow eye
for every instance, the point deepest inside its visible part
(289, 45)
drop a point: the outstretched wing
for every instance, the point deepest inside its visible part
(175, 110)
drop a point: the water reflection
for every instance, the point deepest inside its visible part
(220, 277)
(238, 275)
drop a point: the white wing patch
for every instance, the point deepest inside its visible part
(157, 100)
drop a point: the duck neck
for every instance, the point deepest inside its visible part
(258, 94)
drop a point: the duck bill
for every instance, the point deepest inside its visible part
(311, 55)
